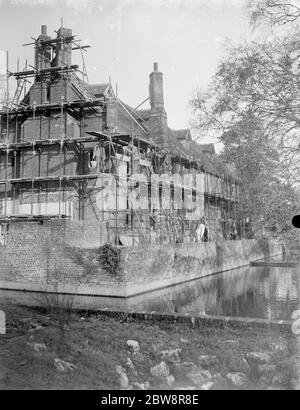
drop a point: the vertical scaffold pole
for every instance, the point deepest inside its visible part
(6, 169)
(32, 178)
(59, 198)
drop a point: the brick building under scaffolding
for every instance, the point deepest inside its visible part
(61, 140)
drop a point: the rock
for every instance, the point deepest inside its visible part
(266, 368)
(131, 366)
(25, 319)
(199, 376)
(170, 380)
(296, 385)
(34, 325)
(141, 386)
(206, 386)
(265, 380)
(238, 365)
(256, 358)
(208, 360)
(160, 371)
(40, 347)
(133, 346)
(278, 380)
(220, 382)
(277, 347)
(36, 328)
(183, 368)
(124, 382)
(63, 366)
(170, 355)
(184, 341)
(233, 342)
(138, 357)
(23, 362)
(94, 262)
(237, 379)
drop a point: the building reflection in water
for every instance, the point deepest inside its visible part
(269, 293)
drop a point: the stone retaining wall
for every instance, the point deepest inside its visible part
(37, 254)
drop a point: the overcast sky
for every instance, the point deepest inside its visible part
(186, 38)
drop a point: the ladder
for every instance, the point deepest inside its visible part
(173, 228)
(18, 92)
(217, 228)
(142, 224)
(82, 88)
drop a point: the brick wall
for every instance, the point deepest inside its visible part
(53, 127)
(58, 89)
(35, 251)
(52, 161)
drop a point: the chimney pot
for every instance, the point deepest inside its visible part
(44, 30)
(155, 66)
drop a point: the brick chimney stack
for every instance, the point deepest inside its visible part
(42, 54)
(156, 91)
(63, 49)
(158, 118)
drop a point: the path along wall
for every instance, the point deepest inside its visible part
(40, 256)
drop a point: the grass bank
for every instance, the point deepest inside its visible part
(96, 347)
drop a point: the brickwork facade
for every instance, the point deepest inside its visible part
(42, 173)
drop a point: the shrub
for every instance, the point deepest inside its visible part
(109, 258)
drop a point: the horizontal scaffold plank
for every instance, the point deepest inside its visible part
(49, 178)
(30, 144)
(54, 106)
(44, 71)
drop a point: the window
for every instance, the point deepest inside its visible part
(48, 93)
(3, 234)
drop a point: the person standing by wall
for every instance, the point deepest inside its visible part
(202, 231)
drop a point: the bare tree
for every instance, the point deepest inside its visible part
(273, 12)
(58, 297)
(59, 301)
(253, 106)
(261, 80)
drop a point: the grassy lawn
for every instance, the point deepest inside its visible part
(96, 344)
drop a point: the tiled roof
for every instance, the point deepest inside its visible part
(174, 145)
(98, 89)
(138, 114)
(182, 134)
(212, 163)
(194, 150)
(122, 107)
(174, 139)
(144, 114)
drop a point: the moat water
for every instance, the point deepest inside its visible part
(255, 292)
(260, 292)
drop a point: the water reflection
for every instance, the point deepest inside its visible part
(261, 292)
(257, 292)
